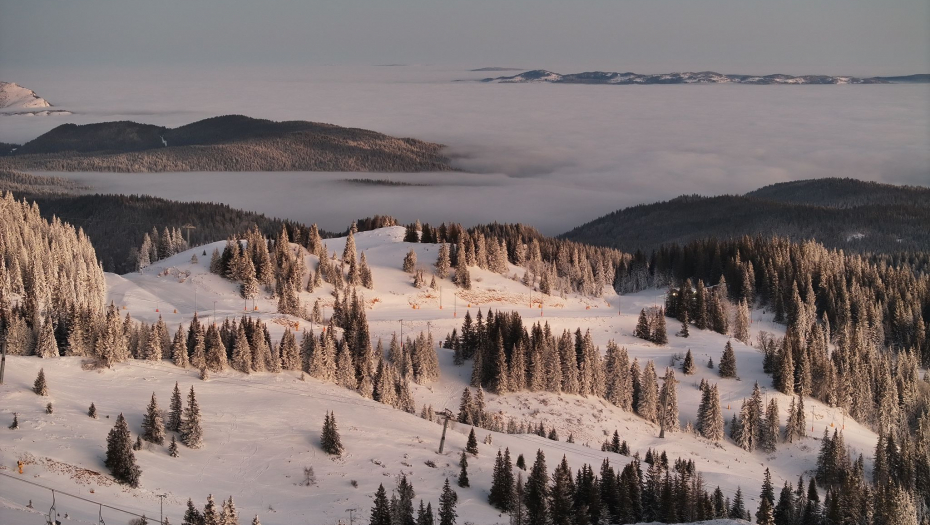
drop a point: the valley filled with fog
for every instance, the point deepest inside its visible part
(553, 156)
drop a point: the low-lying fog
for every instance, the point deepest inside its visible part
(550, 155)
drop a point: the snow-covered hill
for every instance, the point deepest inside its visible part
(262, 430)
(13, 95)
(21, 101)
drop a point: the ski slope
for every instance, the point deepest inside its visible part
(261, 430)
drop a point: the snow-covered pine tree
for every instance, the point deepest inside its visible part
(659, 335)
(40, 387)
(230, 515)
(175, 410)
(241, 352)
(215, 351)
(463, 470)
(727, 365)
(179, 349)
(770, 428)
(711, 423)
(290, 354)
(410, 261)
(191, 431)
(687, 367)
(471, 446)
(669, 402)
(153, 427)
(643, 330)
(648, 402)
(741, 322)
(329, 437)
(443, 262)
(211, 514)
(120, 459)
(47, 346)
(365, 273)
(173, 448)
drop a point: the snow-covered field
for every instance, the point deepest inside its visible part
(262, 430)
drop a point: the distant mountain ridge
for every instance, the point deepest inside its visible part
(702, 77)
(846, 214)
(226, 143)
(13, 95)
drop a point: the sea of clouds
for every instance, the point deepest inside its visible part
(554, 156)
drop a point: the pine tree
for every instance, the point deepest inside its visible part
(738, 508)
(648, 402)
(669, 400)
(92, 411)
(212, 515)
(192, 515)
(380, 511)
(39, 386)
(765, 515)
(727, 366)
(329, 437)
(521, 463)
(191, 433)
(447, 501)
(687, 367)
(562, 495)
(230, 515)
(175, 410)
(472, 445)
(173, 448)
(120, 459)
(741, 323)
(153, 428)
(402, 509)
(536, 497)
(659, 335)
(443, 262)
(463, 470)
(684, 332)
(410, 261)
(770, 428)
(642, 329)
(47, 346)
(15, 424)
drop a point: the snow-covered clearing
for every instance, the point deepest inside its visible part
(262, 430)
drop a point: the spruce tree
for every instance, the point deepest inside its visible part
(410, 261)
(120, 459)
(738, 508)
(687, 367)
(192, 515)
(727, 365)
(562, 495)
(447, 502)
(191, 432)
(153, 427)
(92, 411)
(211, 514)
(329, 437)
(536, 491)
(15, 424)
(175, 410)
(380, 511)
(501, 492)
(402, 510)
(463, 470)
(40, 387)
(669, 401)
(642, 329)
(471, 446)
(173, 448)
(659, 335)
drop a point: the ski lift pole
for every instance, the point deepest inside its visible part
(445, 423)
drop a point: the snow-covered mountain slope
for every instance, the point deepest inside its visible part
(262, 430)
(13, 95)
(702, 77)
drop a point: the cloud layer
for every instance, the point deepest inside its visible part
(549, 155)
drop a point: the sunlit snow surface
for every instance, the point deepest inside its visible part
(262, 429)
(550, 155)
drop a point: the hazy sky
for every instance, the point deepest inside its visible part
(854, 37)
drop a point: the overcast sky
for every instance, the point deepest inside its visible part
(853, 37)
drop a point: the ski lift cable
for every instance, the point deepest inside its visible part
(53, 510)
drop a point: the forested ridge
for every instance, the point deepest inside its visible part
(845, 214)
(227, 143)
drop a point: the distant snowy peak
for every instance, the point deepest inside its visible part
(703, 77)
(14, 96)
